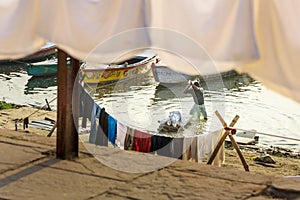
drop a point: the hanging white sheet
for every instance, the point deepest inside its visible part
(257, 37)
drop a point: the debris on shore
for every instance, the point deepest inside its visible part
(265, 160)
(271, 150)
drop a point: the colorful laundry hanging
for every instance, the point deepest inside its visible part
(142, 141)
(176, 146)
(86, 106)
(106, 128)
(190, 149)
(121, 135)
(161, 144)
(112, 129)
(206, 145)
(128, 143)
(102, 133)
(95, 115)
(25, 122)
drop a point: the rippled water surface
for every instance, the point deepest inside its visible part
(141, 104)
(259, 108)
(17, 87)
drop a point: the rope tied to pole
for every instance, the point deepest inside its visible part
(232, 130)
(261, 133)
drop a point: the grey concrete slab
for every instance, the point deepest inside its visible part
(26, 172)
(17, 153)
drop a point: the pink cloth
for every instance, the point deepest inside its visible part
(142, 141)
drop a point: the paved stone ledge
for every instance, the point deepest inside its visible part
(27, 172)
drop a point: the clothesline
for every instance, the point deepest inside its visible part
(267, 134)
(104, 129)
(261, 133)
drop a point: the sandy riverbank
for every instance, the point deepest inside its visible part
(284, 166)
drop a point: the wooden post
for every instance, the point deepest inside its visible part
(74, 107)
(75, 65)
(67, 137)
(217, 148)
(48, 106)
(222, 140)
(235, 145)
(61, 103)
(52, 130)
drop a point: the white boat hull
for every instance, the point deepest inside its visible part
(164, 74)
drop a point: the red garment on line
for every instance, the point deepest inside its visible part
(142, 141)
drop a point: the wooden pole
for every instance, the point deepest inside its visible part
(75, 65)
(67, 137)
(48, 106)
(235, 145)
(217, 148)
(221, 141)
(52, 130)
(61, 103)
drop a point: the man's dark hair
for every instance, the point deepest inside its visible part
(196, 83)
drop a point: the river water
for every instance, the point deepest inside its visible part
(141, 104)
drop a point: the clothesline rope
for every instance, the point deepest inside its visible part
(261, 133)
(41, 107)
(267, 134)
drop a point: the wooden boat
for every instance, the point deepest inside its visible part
(46, 52)
(44, 68)
(164, 74)
(40, 82)
(128, 69)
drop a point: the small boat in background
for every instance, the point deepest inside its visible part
(44, 68)
(38, 82)
(164, 74)
(128, 69)
(48, 51)
(245, 138)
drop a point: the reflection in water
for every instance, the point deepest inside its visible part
(35, 83)
(157, 100)
(123, 85)
(17, 87)
(12, 67)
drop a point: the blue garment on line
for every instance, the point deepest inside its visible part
(112, 129)
(94, 125)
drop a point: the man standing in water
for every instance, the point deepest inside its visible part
(197, 93)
